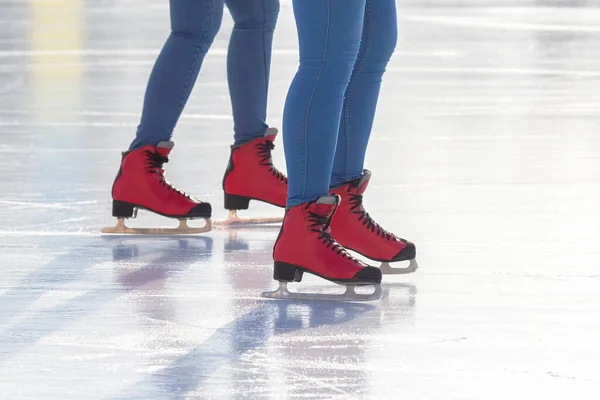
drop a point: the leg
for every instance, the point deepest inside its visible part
(378, 42)
(329, 33)
(249, 64)
(352, 226)
(250, 174)
(141, 182)
(194, 24)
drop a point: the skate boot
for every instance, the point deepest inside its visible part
(141, 183)
(305, 245)
(354, 229)
(251, 175)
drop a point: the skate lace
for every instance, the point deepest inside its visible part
(320, 224)
(264, 151)
(356, 201)
(155, 163)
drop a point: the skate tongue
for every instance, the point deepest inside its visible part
(164, 148)
(326, 205)
(271, 134)
(331, 200)
(363, 182)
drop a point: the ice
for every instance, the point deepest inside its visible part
(485, 153)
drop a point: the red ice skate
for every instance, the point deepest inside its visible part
(141, 183)
(354, 229)
(251, 175)
(305, 245)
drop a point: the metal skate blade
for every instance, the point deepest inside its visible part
(282, 293)
(233, 221)
(387, 269)
(183, 229)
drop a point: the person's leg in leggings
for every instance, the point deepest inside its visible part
(329, 33)
(378, 43)
(194, 24)
(249, 64)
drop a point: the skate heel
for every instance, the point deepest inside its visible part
(235, 202)
(287, 272)
(122, 209)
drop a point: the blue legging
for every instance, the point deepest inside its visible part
(345, 46)
(194, 24)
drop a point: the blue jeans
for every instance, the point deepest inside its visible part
(345, 46)
(194, 25)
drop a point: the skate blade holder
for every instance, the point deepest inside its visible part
(234, 221)
(282, 293)
(183, 229)
(387, 269)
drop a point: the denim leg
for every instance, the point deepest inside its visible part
(379, 38)
(329, 33)
(249, 64)
(194, 24)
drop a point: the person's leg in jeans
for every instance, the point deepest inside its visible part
(250, 174)
(194, 24)
(379, 38)
(329, 33)
(249, 65)
(352, 226)
(140, 182)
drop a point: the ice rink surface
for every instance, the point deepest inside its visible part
(486, 154)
